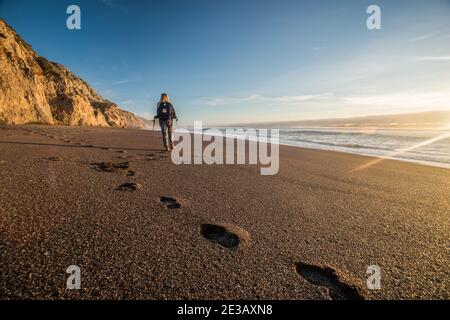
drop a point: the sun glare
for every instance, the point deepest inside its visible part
(401, 151)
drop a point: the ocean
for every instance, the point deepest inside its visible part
(429, 147)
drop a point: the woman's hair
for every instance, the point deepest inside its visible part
(164, 97)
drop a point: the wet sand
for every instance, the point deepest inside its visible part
(93, 198)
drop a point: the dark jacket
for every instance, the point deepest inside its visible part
(166, 112)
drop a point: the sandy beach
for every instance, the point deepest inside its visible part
(309, 232)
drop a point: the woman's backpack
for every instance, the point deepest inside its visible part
(165, 111)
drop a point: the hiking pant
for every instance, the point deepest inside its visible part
(167, 133)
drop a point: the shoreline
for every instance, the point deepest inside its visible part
(435, 164)
(421, 162)
(432, 164)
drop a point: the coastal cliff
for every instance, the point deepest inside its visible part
(35, 90)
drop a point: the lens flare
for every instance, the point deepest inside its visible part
(401, 151)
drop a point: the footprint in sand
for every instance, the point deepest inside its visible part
(220, 235)
(129, 186)
(171, 203)
(326, 277)
(55, 159)
(109, 166)
(157, 157)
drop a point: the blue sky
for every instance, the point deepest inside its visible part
(250, 60)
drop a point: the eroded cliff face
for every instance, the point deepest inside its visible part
(35, 90)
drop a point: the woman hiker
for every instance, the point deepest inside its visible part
(166, 114)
